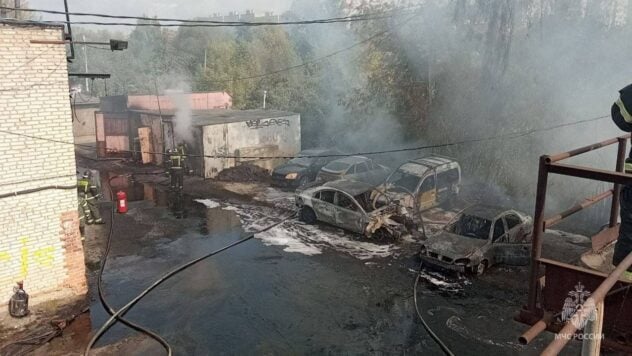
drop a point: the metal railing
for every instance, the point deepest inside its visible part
(535, 313)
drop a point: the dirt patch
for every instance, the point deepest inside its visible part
(244, 173)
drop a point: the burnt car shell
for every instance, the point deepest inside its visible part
(345, 204)
(305, 167)
(351, 166)
(480, 236)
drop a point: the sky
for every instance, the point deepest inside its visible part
(160, 8)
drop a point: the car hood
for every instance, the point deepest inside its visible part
(289, 168)
(452, 245)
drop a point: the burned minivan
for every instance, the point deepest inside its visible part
(478, 238)
(346, 204)
(421, 183)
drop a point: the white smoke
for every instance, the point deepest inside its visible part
(183, 120)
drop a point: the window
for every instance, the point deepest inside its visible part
(345, 202)
(361, 168)
(499, 229)
(428, 184)
(512, 221)
(404, 180)
(327, 196)
(447, 178)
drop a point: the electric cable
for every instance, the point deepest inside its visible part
(446, 350)
(118, 315)
(38, 189)
(510, 135)
(155, 21)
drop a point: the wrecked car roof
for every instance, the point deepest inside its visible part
(485, 211)
(432, 161)
(349, 186)
(352, 159)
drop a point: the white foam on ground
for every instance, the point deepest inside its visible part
(306, 239)
(456, 324)
(439, 281)
(208, 203)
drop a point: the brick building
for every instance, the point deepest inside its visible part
(39, 231)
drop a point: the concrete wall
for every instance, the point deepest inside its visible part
(39, 232)
(264, 137)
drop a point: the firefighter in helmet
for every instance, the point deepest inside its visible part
(622, 117)
(176, 167)
(88, 195)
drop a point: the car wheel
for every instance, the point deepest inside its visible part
(481, 268)
(304, 180)
(307, 215)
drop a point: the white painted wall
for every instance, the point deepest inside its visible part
(270, 137)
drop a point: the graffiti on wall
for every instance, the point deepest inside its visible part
(258, 123)
(43, 256)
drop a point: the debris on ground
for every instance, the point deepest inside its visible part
(244, 173)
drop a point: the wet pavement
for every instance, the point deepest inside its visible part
(297, 289)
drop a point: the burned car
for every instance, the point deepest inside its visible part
(304, 168)
(352, 165)
(478, 238)
(346, 204)
(421, 183)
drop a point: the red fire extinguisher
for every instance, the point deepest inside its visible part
(121, 205)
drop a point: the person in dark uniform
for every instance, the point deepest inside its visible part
(622, 117)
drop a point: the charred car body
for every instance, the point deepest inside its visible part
(352, 165)
(304, 168)
(421, 183)
(478, 238)
(346, 204)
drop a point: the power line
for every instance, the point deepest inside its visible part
(511, 135)
(155, 22)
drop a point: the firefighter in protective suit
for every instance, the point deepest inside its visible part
(622, 116)
(176, 166)
(88, 195)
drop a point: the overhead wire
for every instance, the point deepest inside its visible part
(510, 135)
(155, 21)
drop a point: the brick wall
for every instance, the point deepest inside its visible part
(39, 232)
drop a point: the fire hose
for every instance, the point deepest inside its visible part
(432, 334)
(118, 315)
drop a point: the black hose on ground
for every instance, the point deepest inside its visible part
(432, 334)
(104, 302)
(118, 315)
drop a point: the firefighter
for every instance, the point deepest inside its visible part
(622, 117)
(88, 195)
(175, 164)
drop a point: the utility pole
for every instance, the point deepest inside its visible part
(85, 58)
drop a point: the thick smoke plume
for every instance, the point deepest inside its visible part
(183, 121)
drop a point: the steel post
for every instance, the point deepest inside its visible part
(538, 230)
(614, 210)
